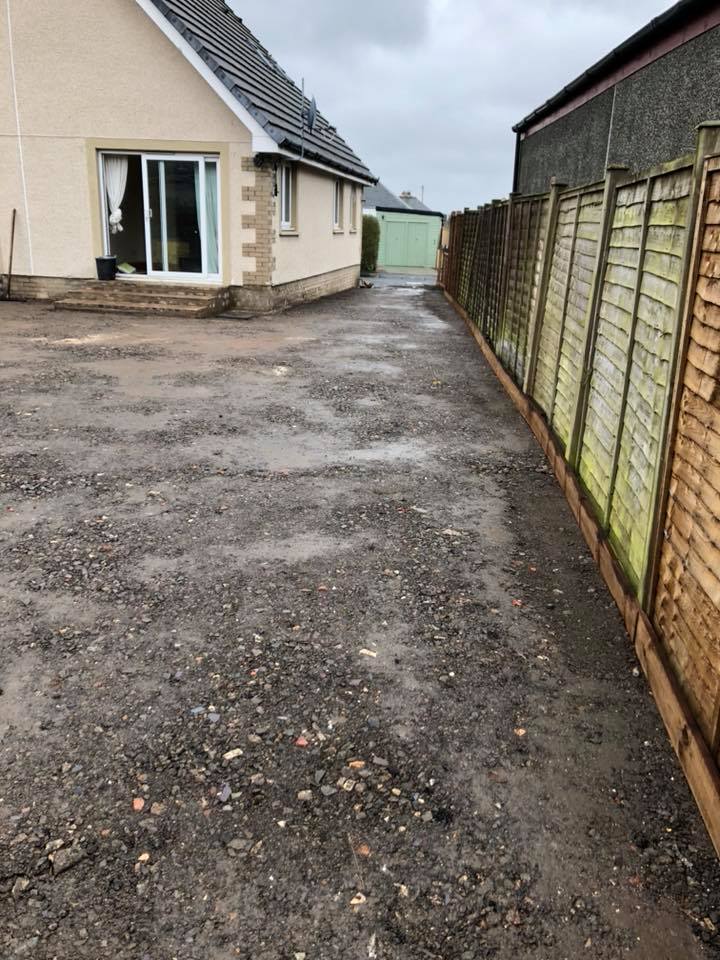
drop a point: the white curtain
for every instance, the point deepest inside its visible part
(116, 175)
(211, 205)
(198, 198)
(211, 213)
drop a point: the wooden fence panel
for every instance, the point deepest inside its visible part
(572, 345)
(493, 304)
(614, 330)
(534, 262)
(554, 310)
(687, 601)
(466, 257)
(640, 431)
(474, 264)
(527, 231)
(513, 295)
(650, 371)
(456, 235)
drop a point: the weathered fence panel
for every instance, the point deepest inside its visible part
(614, 330)
(582, 297)
(555, 300)
(563, 322)
(572, 341)
(650, 369)
(528, 221)
(687, 602)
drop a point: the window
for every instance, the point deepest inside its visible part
(338, 205)
(287, 197)
(354, 208)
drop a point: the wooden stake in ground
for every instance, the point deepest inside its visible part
(12, 250)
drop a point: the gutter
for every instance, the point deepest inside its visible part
(516, 165)
(418, 213)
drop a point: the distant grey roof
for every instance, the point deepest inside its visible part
(254, 78)
(380, 196)
(414, 204)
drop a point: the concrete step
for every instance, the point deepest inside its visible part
(146, 298)
(140, 296)
(150, 288)
(137, 307)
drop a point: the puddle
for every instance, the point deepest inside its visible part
(410, 450)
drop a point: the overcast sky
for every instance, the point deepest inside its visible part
(426, 91)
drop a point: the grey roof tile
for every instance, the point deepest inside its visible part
(380, 196)
(257, 81)
(414, 204)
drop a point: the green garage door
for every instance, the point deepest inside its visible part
(407, 244)
(408, 241)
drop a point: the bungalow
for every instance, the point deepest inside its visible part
(161, 132)
(409, 231)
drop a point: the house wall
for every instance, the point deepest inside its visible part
(646, 119)
(95, 74)
(315, 248)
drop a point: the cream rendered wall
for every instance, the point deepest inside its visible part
(317, 248)
(92, 71)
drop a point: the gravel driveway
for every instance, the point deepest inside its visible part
(303, 657)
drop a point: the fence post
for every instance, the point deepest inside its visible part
(708, 144)
(505, 272)
(613, 176)
(547, 256)
(496, 256)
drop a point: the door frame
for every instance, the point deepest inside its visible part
(162, 275)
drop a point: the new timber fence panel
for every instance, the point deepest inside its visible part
(608, 367)
(687, 600)
(650, 368)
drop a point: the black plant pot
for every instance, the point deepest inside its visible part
(106, 267)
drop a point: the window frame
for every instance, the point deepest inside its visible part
(288, 197)
(338, 205)
(353, 208)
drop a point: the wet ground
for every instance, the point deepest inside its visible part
(303, 657)
(424, 278)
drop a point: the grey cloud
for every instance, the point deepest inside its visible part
(427, 90)
(331, 28)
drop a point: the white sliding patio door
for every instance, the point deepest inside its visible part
(181, 216)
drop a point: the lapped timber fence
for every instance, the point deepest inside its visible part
(599, 308)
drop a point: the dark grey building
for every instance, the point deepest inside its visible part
(640, 105)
